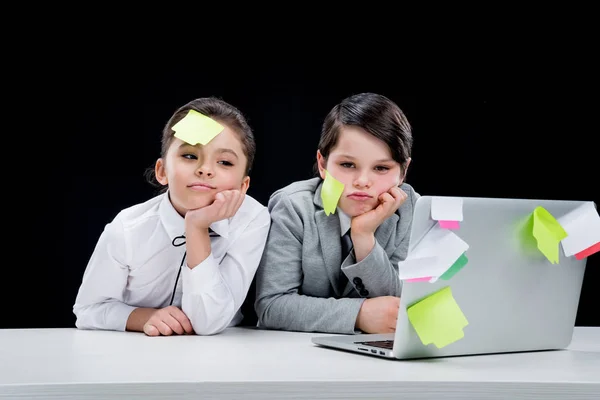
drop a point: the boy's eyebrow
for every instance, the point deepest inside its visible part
(383, 160)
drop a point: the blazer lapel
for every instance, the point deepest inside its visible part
(328, 227)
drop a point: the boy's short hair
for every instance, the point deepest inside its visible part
(376, 114)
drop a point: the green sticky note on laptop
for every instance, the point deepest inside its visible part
(548, 233)
(438, 319)
(197, 128)
(457, 266)
(330, 193)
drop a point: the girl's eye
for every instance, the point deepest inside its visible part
(227, 163)
(190, 156)
(347, 165)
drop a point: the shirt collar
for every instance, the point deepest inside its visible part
(345, 222)
(174, 223)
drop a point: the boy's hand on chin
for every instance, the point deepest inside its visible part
(389, 202)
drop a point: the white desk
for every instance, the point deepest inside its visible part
(67, 363)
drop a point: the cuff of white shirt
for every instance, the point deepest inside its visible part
(202, 276)
(119, 314)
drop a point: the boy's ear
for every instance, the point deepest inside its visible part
(321, 164)
(405, 171)
(160, 172)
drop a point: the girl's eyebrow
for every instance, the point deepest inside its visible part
(220, 150)
(226, 150)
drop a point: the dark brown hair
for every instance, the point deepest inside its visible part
(218, 110)
(377, 115)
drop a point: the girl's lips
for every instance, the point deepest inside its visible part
(202, 187)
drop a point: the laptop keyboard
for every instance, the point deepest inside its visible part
(383, 344)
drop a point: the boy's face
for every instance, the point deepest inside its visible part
(195, 174)
(365, 166)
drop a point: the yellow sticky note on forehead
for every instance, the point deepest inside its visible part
(197, 128)
(330, 193)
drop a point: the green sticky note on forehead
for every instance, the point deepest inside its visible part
(197, 128)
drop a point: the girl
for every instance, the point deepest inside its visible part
(183, 261)
(304, 281)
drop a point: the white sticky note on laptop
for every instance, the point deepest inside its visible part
(448, 211)
(583, 229)
(433, 255)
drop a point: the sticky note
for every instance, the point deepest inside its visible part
(526, 238)
(448, 211)
(457, 266)
(588, 252)
(449, 224)
(423, 279)
(583, 229)
(438, 319)
(330, 193)
(197, 128)
(433, 255)
(548, 233)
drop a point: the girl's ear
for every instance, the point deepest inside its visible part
(160, 172)
(321, 164)
(245, 184)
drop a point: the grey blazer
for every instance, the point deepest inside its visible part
(297, 282)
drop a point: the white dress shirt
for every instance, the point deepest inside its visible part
(135, 264)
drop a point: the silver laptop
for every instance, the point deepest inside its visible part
(512, 296)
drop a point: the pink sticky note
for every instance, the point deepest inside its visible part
(423, 279)
(588, 252)
(449, 224)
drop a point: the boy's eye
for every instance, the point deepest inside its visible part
(225, 162)
(347, 165)
(189, 156)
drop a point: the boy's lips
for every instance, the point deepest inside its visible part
(359, 196)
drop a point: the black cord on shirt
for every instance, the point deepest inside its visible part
(211, 234)
(181, 265)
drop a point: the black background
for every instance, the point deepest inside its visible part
(485, 126)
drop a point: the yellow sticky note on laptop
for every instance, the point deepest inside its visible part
(197, 128)
(330, 193)
(438, 319)
(548, 233)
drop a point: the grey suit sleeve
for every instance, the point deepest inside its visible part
(378, 273)
(279, 305)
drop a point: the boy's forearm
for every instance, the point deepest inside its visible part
(138, 318)
(197, 245)
(363, 245)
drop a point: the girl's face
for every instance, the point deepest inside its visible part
(195, 174)
(365, 166)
